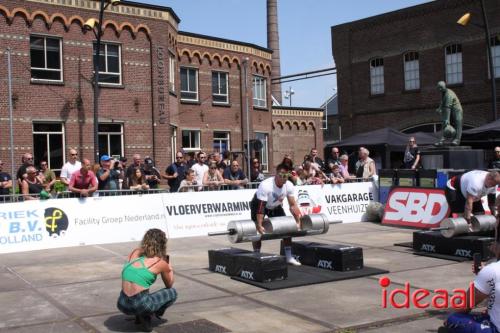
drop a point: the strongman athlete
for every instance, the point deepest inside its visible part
(464, 192)
(268, 201)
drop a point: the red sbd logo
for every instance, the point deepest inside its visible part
(416, 207)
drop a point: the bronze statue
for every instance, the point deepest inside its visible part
(450, 106)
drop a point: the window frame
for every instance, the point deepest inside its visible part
(196, 70)
(408, 86)
(264, 152)
(220, 140)
(449, 64)
(171, 72)
(47, 134)
(120, 73)
(218, 85)
(61, 58)
(495, 56)
(198, 131)
(256, 77)
(375, 75)
(108, 134)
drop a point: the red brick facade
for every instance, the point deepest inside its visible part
(151, 113)
(427, 29)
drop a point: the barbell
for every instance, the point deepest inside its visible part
(276, 228)
(452, 227)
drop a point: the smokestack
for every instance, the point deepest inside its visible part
(273, 43)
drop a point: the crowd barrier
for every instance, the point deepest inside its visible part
(44, 224)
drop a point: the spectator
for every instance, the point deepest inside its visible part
(411, 159)
(335, 175)
(365, 167)
(495, 162)
(138, 182)
(218, 160)
(136, 163)
(287, 159)
(70, 167)
(200, 168)
(84, 181)
(210, 158)
(108, 176)
(31, 184)
(296, 176)
(335, 159)
(256, 175)
(316, 159)
(5, 183)
(344, 167)
(151, 173)
(47, 176)
(175, 172)
(310, 174)
(212, 178)
(234, 176)
(27, 160)
(226, 161)
(189, 182)
(190, 159)
(123, 170)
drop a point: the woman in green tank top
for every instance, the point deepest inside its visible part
(139, 273)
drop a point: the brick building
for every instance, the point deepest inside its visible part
(161, 89)
(388, 66)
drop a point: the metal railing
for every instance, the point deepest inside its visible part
(104, 193)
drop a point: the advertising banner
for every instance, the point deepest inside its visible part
(421, 208)
(44, 224)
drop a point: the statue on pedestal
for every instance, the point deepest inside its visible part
(450, 107)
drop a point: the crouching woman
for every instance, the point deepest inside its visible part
(139, 274)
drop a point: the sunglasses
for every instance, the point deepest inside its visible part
(74, 154)
(178, 157)
(284, 175)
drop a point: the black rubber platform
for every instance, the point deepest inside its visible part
(307, 275)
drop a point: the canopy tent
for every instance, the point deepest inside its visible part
(384, 141)
(488, 129)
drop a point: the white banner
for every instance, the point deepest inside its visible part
(36, 225)
(45, 224)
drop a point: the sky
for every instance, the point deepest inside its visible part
(304, 27)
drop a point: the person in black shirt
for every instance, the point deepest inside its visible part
(411, 159)
(5, 183)
(174, 174)
(27, 161)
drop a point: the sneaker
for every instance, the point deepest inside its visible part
(294, 262)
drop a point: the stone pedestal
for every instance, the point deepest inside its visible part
(452, 157)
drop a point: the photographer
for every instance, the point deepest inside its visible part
(109, 174)
(151, 174)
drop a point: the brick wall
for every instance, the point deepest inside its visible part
(426, 29)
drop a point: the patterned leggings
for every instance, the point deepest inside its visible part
(146, 303)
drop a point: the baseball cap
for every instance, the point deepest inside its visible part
(105, 158)
(148, 160)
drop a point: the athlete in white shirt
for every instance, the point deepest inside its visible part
(268, 201)
(464, 192)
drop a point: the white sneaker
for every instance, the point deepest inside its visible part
(294, 262)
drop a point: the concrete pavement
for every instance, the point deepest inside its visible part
(75, 290)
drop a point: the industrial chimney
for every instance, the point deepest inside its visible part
(273, 43)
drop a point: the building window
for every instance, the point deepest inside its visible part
(412, 71)
(221, 142)
(191, 140)
(495, 54)
(189, 84)
(48, 144)
(46, 58)
(220, 88)
(171, 72)
(377, 76)
(259, 91)
(111, 140)
(109, 63)
(263, 154)
(454, 74)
